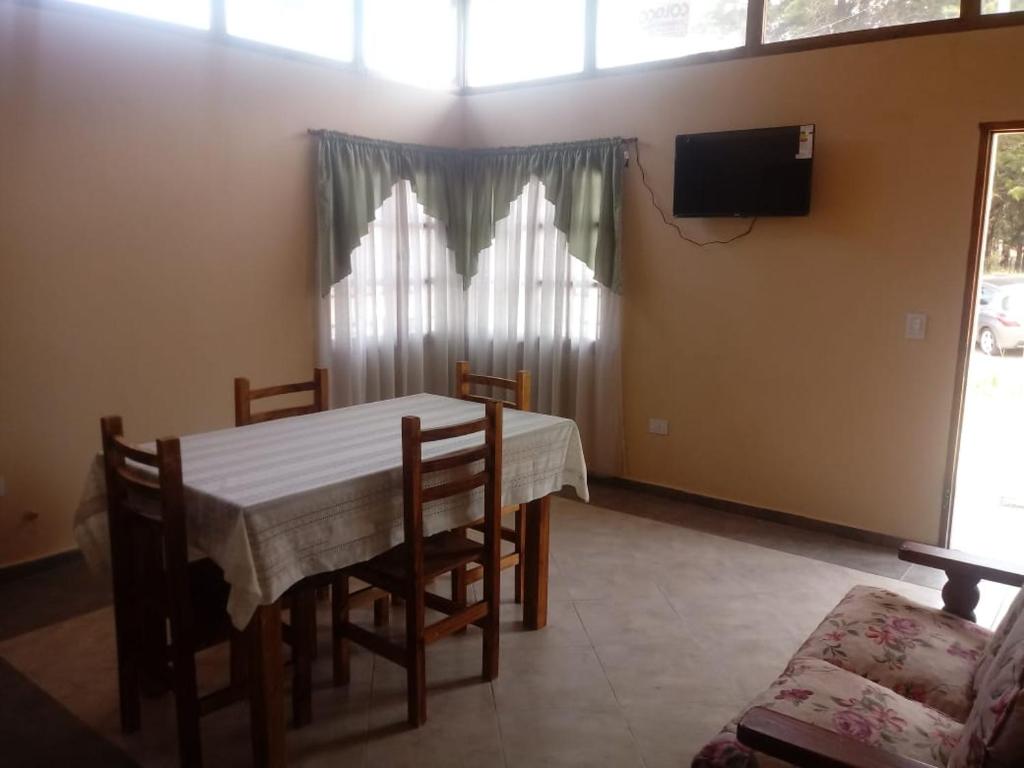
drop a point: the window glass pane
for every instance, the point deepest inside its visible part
(790, 19)
(1001, 6)
(629, 32)
(321, 27)
(190, 13)
(411, 40)
(523, 40)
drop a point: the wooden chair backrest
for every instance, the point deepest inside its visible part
(414, 469)
(244, 396)
(154, 477)
(519, 386)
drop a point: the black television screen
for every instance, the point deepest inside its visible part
(762, 172)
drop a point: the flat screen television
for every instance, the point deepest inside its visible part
(761, 172)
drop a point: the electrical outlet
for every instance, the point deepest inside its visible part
(916, 326)
(657, 426)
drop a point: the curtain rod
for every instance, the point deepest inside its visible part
(323, 131)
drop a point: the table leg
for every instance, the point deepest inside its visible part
(535, 586)
(266, 687)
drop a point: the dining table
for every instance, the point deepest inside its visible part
(277, 502)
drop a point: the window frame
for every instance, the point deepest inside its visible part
(971, 18)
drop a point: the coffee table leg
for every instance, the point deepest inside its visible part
(266, 681)
(535, 586)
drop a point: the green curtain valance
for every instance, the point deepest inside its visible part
(469, 191)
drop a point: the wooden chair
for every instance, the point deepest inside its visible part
(406, 570)
(245, 395)
(520, 387)
(156, 587)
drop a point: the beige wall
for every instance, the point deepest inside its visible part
(780, 360)
(155, 235)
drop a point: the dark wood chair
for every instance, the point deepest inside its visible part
(157, 588)
(245, 395)
(406, 570)
(520, 400)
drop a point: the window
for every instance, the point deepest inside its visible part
(413, 41)
(792, 19)
(321, 27)
(188, 13)
(629, 32)
(509, 42)
(1002, 6)
(481, 43)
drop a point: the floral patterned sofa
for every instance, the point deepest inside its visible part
(886, 683)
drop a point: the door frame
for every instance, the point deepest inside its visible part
(988, 131)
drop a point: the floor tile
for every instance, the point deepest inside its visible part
(624, 620)
(568, 737)
(553, 678)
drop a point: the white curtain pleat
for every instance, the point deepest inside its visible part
(533, 306)
(401, 320)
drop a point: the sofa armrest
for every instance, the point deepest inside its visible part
(951, 560)
(964, 571)
(810, 746)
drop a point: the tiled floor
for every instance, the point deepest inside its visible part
(663, 623)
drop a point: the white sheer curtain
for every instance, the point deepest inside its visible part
(395, 325)
(534, 306)
(399, 322)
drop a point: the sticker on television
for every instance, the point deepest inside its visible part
(806, 148)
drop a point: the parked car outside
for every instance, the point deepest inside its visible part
(1000, 320)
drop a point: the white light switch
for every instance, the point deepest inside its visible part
(916, 326)
(657, 426)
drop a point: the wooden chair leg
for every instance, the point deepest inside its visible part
(339, 618)
(415, 655)
(381, 611)
(416, 679)
(520, 538)
(492, 596)
(128, 662)
(186, 701)
(239, 660)
(323, 594)
(154, 672)
(127, 626)
(303, 615)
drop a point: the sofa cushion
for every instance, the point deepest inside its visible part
(998, 638)
(993, 736)
(922, 653)
(820, 693)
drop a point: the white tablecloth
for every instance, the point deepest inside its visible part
(275, 502)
